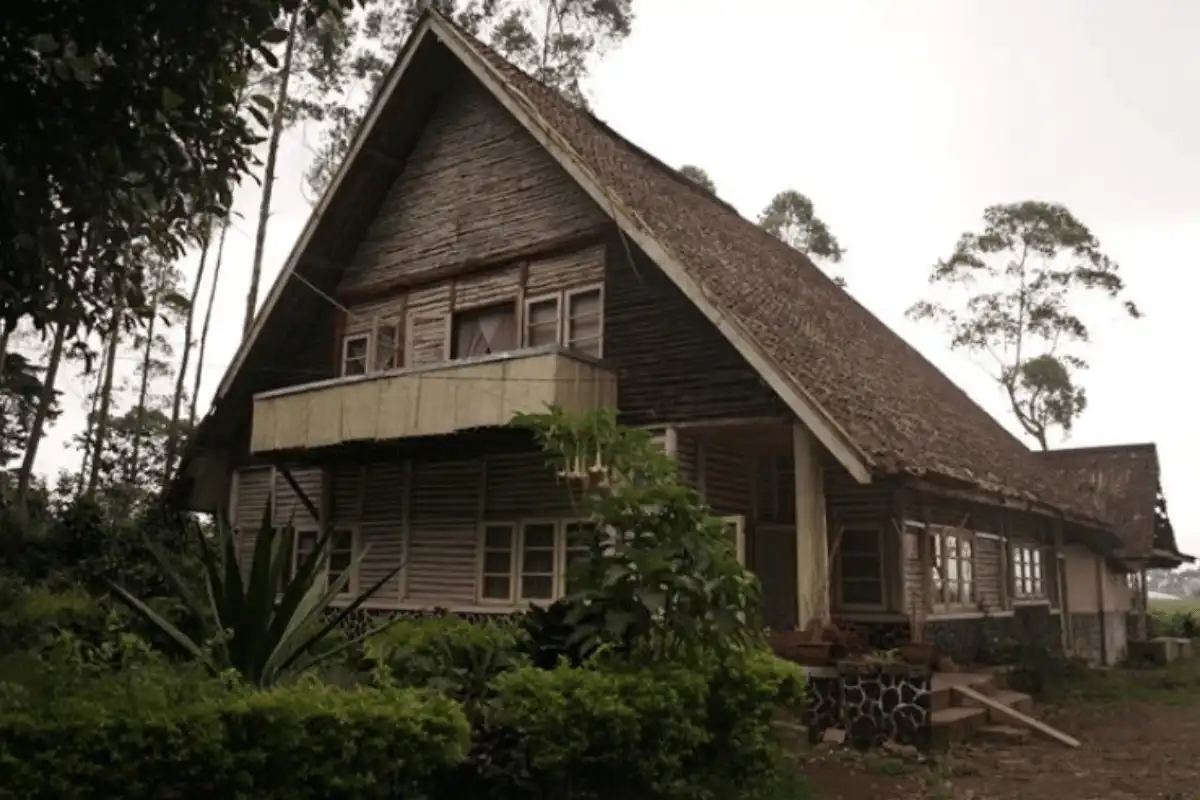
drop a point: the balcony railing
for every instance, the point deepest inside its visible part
(429, 400)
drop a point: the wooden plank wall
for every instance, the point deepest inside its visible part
(440, 504)
(476, 188)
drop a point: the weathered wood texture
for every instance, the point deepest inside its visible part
(672, 364)
(476, 188)
(424, 516)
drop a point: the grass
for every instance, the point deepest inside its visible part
(1191, 604)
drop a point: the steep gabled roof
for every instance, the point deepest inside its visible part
(1123, 485)
(873, 400)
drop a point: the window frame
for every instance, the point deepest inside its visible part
(367, 357)
(398, 331)
(457, 314)
(738, 521)
(881, 578)
(531, 300)
(940, 579)
(352, 585)
(516, 572)
(1036, 581)
(565, 317)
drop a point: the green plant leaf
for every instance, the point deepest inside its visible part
(154, 618)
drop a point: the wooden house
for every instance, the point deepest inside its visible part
(487, 248)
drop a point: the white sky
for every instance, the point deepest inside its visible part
(902, 121)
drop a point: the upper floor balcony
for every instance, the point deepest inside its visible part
(442, 398)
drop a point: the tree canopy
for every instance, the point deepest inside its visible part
(1019, 283)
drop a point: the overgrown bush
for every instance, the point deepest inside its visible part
(1037, 669)
(447, 654)
(152, 734)
(669, 730)
(1183, 624)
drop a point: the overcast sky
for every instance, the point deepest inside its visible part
(902, 121)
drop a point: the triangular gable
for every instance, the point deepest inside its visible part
(827, 431)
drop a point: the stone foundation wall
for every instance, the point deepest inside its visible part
(873, 703)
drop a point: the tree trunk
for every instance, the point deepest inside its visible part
(173, 431)
(264, 206)
(89, 431)
(45, 401)
(139, 417)
(105, 411)
(212, 296)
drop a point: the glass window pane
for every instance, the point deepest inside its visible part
(498, 536)
(537, 587)
(860, 566)
(497, 562)
(497, 587)
(387, 340)
(541, 324)
(538, 561)
(539, 535)
(862, 592)
(483, 331)
(860, 541)
(339, 561)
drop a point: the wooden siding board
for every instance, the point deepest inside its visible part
(672, 363)
(444, 531)
(476, 186)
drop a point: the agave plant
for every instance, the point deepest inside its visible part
(267, 622)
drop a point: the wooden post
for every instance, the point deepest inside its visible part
(812, 538)
(1060, 583)
(1103, 612)
(1144, 602)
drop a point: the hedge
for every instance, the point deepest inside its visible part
(303, 741)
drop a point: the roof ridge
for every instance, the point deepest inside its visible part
(1095, 449)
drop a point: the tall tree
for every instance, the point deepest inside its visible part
(46, 403)
(212, 296)
(104, 406)
(791, 218)
(1020, 282)
(313, 64)
(556, 41)
(157, 84)
(165, 305)
(181, 373)
(699, 177)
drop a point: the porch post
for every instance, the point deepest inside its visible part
(1060, 583)
(812, 542)
(1144, 603)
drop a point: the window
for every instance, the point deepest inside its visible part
(339, 560)
(483, 331)
(861, 560)
(735, 529)
(541, 321)
(530, 561)
(388, 354)
(584, 321)
(953, 567)
(1027, 571)
(537, 569)
(497, 562)
(356, 351)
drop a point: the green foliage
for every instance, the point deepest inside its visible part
(30, 617)
(447, 654)
(699, 177)
(791, 218)
(1022, 278)
(661, 576)
(157, 733)
(555, 41)
(268, 624)
(671, 730)
(1176, 623)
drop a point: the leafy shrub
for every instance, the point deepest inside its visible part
(204, 738)
(672, 730)
(447, 654)
(1037, 669)
(31, 615)
(1184, 624)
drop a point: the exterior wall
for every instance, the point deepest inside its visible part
(477, 188)
(673, 364)
(1099, 601)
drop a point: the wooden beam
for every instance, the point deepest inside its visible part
(1013, 714)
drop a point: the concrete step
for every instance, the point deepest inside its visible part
(955, 725)
(1003, 734)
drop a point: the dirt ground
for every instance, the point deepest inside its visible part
(1140, 735)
